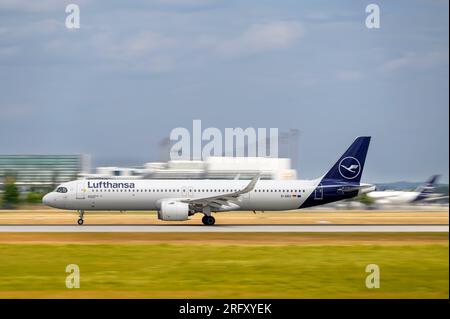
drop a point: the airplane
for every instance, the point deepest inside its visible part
(177, 200)
(423, 193)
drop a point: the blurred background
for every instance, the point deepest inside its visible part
(100, 101)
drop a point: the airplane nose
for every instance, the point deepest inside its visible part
(46, 200)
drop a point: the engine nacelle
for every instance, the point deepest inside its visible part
(173, 210)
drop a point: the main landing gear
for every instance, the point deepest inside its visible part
(80, 220)
(208, 220)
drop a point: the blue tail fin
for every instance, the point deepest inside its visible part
(432, 180)
(350, 166)
(429, 185)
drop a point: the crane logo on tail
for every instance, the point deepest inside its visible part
(349, 167)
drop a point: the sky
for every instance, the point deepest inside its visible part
(135, 70)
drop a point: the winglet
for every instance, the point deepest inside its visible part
(250, 185)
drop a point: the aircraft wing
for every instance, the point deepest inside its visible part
(429, 199)
(227, 199)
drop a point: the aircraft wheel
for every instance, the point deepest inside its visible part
(80, 221)
(208, 220)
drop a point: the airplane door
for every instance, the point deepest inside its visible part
(80, 190)
(318, 192)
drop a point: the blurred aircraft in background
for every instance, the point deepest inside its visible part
(423, 193)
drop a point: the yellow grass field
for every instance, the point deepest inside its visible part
(224, 265)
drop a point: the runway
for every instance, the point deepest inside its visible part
(222, 228)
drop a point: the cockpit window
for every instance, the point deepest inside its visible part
(61, 190)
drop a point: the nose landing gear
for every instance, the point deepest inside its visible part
(80, 219)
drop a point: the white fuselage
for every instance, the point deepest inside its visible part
(176, 200)
(148, 194)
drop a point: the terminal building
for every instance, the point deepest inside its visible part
(36, 172)
(41, 172)
(211, 168)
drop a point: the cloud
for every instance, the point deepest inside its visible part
(10, 111)
(416, 61)
(137, 46)
(32, 29)
(36, 6)
(144, 52)
(8, 51)
(184, 3)
(36, 40)
(349, 75)
(321, 16)
(258, 38)
(160, 64)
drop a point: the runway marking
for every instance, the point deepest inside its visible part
(222, 228)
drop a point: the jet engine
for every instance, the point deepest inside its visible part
(173, 210)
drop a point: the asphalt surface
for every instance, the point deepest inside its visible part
(223, 228)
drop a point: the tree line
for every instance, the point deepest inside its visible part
(12, 197)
